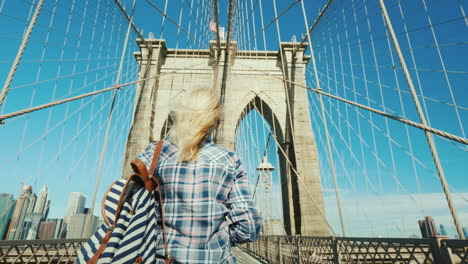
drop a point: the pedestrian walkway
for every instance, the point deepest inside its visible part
(244, 258)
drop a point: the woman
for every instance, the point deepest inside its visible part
(203, 186)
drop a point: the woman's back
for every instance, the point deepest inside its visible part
(198, 198)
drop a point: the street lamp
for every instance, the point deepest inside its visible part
(265, 173)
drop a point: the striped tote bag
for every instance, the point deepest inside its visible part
(130, 232)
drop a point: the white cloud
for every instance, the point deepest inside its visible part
(391, 215)
(394, 215)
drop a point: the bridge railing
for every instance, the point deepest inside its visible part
(60, 251)
(278, 249)
(302, 249)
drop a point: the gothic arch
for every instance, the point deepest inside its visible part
(266, 112)
(264, 109)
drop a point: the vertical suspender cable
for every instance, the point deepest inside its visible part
(327, 136)
(89, 217)
(218, 44)
(288, 137)
(163, 21)
(430, 139)
(20, 52)
(263, 26)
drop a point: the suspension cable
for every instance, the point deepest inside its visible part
(59, 102)
(19, 55)
(376, 111)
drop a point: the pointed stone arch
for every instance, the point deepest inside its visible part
(266, 112)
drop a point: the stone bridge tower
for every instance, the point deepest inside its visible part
(246, 80)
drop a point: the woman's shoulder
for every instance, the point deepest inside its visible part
(147, 155)
(218, 153)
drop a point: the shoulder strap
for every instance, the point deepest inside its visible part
(154, 162)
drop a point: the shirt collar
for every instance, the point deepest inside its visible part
(207, 140)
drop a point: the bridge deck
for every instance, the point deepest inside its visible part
(244, 258)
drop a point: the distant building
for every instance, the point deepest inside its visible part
(31, 224)
(76, 204)
(465, 232)
(38, 215)
(428, 227)
(100, 223)
(443, 231)
(42, 204)
(50, 229)
(24, 205)
(47, 229)
(58, 228)
(76, 226)
(7, 207)
(63, 228)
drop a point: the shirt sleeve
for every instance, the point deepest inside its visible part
(246, 221)
(147, 155)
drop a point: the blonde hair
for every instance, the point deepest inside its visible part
(196, 114)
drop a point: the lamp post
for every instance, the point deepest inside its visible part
(265, 173)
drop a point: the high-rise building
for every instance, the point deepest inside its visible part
(58, 228)
(50, 229)
(41, 203)
(428, 227)
(31, 224)
(7, 207)
(34, 219)
(24, 205)
(62, 234)
(76, 226)
(443, 231)
(76, 204)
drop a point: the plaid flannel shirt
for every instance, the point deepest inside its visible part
(198, 197)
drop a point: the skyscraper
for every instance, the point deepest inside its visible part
(7, 207)
(24, 205)
(42, 202)
(50, 229)
(34, 219)
(76, 204)
(443, 231)
(76, 226)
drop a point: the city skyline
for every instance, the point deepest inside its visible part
(27, 216)
(71, 223)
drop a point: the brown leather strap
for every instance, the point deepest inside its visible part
(139, 168)
(154, 162)
(140, 171)
(103, 245)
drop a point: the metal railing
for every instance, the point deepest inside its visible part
(58, 251)
(279, 249)
(328, 250)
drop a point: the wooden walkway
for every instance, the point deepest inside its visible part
(244, 258)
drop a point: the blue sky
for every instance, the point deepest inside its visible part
(76, 47)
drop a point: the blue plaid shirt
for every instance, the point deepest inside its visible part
(198, 198)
